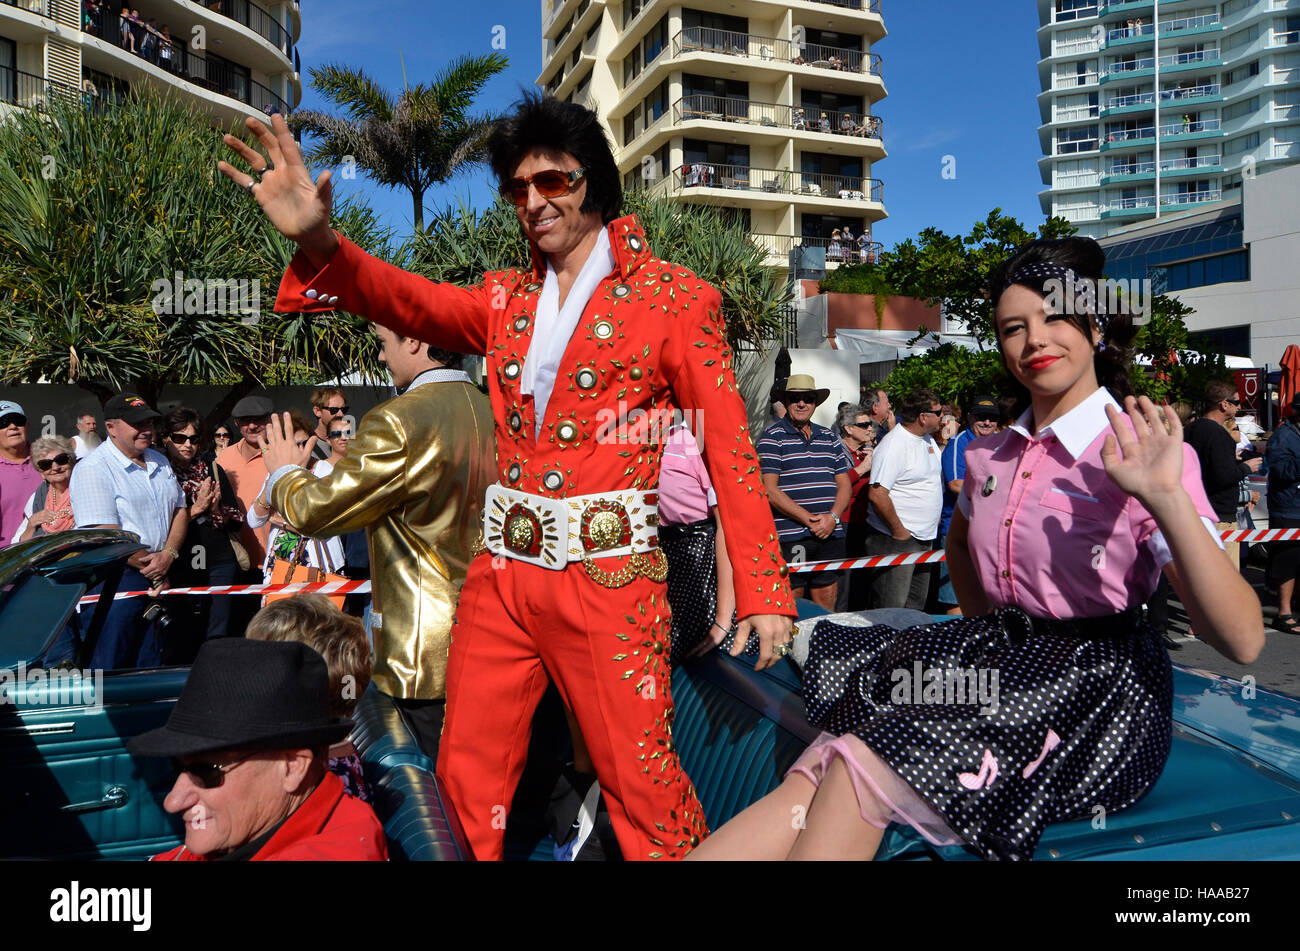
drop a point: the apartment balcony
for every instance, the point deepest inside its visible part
(1174, 131)
(258, 20)
(779, 246)
(27, 91)
(1186, 26)
(178, 61)
(1169, 168)
(713, 183)
(1146, 66)
(829, 63)
(1145, 205)
(771, 121)
(1286, 39)
(1143, 102)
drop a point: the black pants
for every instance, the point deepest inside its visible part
(424, 719)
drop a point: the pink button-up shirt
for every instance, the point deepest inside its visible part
(685, 490)
(1049, 530)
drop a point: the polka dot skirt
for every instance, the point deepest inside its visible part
(1039, 726)
(692, 582)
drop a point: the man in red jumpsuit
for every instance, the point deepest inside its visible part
(597, 331)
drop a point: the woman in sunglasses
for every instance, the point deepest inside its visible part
(221, 437)
(208, 555)
(49, 509)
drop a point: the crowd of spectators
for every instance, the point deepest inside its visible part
(191, 494)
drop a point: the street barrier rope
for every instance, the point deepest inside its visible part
(874, 561)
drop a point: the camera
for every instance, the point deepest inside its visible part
(156, 614)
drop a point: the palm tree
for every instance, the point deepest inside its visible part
(98, 213)
(422, 137)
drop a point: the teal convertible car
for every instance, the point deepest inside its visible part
(1231, 788)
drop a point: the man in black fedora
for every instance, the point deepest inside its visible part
(250, 737)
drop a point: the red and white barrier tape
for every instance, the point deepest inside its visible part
(922, 557)
(875, 561)
(318, 587)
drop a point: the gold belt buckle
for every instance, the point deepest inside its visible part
(605, 524)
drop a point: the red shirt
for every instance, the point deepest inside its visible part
(330, 827)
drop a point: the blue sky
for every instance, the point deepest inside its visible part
(962, 80)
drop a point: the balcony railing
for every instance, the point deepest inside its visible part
(729, 43)
(1174, 198)
(1063, 16)
(1286, 150)
(1075, 113)
(1286, 111)
(1167, 26)
(1078, 180)
(1167, 165)
(256, 19)
(28, 91)
(777, 181)
(32, 6)
(1173, 128)
(1286, 39)
(178, 59)
(768, 114)
(847, 252)
(1072, 80)
(1174, 59)
(872, 6)
(1166, 95)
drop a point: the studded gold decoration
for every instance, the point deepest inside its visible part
(521, 324)
(653, 565)
(512, 370)
(566, 432)
(635, 373)
(603, 329)
(586, 379)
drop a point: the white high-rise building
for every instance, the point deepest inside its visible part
(1220, 82)
(231, 59)
(758, 106)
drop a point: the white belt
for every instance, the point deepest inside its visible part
(553, 532)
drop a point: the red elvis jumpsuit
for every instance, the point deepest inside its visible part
(651, 338)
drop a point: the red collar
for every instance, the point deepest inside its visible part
(308, 819)
(626, 239)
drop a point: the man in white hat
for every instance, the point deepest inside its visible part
(806, 474)
(18, 480)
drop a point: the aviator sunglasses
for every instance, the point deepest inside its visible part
(208, 775)
(45, 465)
(551, 183)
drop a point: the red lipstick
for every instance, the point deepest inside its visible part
(1041, 363)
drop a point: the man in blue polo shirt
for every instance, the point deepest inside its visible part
(806, 475)
(981, 420)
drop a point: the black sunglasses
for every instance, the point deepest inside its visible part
(13, 419)
(551, 183)
(1236, 402)
(62, 459)
(337, 410)
(208, 775)
(181, 439)
(221, 434)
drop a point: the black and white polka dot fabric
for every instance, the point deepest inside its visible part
(1078, 720)
(692, 582)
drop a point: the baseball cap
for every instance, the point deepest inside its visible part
(130, 409)
(984, 407)
(253, 406)
(9, 407)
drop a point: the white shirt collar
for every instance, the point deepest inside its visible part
(437, 375)
(555, 324)
(124, 462)
(1077, 429)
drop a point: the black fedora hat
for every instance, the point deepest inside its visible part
(244, 694)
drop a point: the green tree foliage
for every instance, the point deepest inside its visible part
(956, 374)
(414, 140)
(97, 208)
(1175, 374)
(951, 270)
(460, 244)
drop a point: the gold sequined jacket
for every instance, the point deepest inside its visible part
(414, 478)
(651, 339)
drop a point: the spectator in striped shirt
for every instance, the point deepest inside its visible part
(806, 475)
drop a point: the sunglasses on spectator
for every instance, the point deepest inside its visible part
(337, 410)
(221, 434)
(551, 183)
(340, 434)
(1236, 402)
(62, 459)
(181, 439)
(13, 419)
(208, 775)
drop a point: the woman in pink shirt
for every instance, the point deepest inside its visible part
(1052, 696)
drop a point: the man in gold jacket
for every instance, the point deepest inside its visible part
(415, 478)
